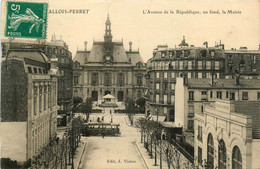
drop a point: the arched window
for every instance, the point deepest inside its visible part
(120, 96)
(222, 154)
(210, 152)
(236, 158)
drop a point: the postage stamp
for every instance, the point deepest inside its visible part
(26, 20)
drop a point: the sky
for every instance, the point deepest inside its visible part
(146, 31)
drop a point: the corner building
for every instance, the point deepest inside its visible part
(167, 64)
(108, 69)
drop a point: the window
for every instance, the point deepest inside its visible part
(204, 75)
(29, 69)
(95, 79)
(40, 99)
(226, 94)
(165, 86)
(172, 99)
(173, 65)
(200, 156)
(173, 75)
(190, 125)
(121, 79)
(139, 80)
(40, 70)
(165, 99)
(172, 86)
(157, 98)
(35, 100)
(157, 86)
(232, 96)
(107, 81)
(157, 75)
(199, 64)
(202, 109)
(189, 65)
(165, 75)
(211, 94)
(189, 75)
(258, 95)
(35, 70)
(244, 95)
(200, 133)
(199, 75)
(210, 152)
(76, 80)
(208, 65)
(236, 158)
(94, 95)
(181, 65)
(219, 95)
(216, 65)
(45, 98)
(191, 95)
(222, 154)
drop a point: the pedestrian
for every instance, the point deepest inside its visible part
(103, 134)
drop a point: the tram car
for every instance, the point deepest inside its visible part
(100, 128)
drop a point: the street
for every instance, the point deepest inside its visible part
(114, 151)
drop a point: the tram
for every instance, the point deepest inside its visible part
(100, 128)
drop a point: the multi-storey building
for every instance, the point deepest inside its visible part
(227, 135)
(242, 61)
(108, 69)
(28, 103)
(193, 93)
(53, 49)
(167, 64)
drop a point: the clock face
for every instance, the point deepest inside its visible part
(107, 57)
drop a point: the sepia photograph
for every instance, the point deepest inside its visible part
(116, 84)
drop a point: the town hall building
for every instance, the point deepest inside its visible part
(108, 69)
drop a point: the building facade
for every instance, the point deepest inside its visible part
(167, 64)
(108, 69)
(193, 93)
(29, 83)
(58, 49)
(227, 135)
(243, 61)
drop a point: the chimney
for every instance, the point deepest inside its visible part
(130, 46)
(85, 43)
(185, 80)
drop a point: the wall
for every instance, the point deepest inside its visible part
(13, 140)
(255, 153)
(180, 103)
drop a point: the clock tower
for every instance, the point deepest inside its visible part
(108, 45)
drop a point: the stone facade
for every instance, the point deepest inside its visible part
(224, 135)
(108, 69)
(193, 93)
(56, 48)
(167, 64)
(29, 103)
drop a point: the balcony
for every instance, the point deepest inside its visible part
(204, 98)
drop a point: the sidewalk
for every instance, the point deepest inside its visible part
(149, 162)
(79, 153)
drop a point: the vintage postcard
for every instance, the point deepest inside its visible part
(116, 84)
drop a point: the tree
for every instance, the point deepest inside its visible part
(86, 108)
(8, 163)
(76, 101)
(130, 108)
(141, 104)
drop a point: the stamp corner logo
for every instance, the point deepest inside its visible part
(26, 20)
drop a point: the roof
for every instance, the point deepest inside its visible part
(108, 96)
(80, 56)
(251, 108)
(32, 55)
(135, 57)
(224, 83)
